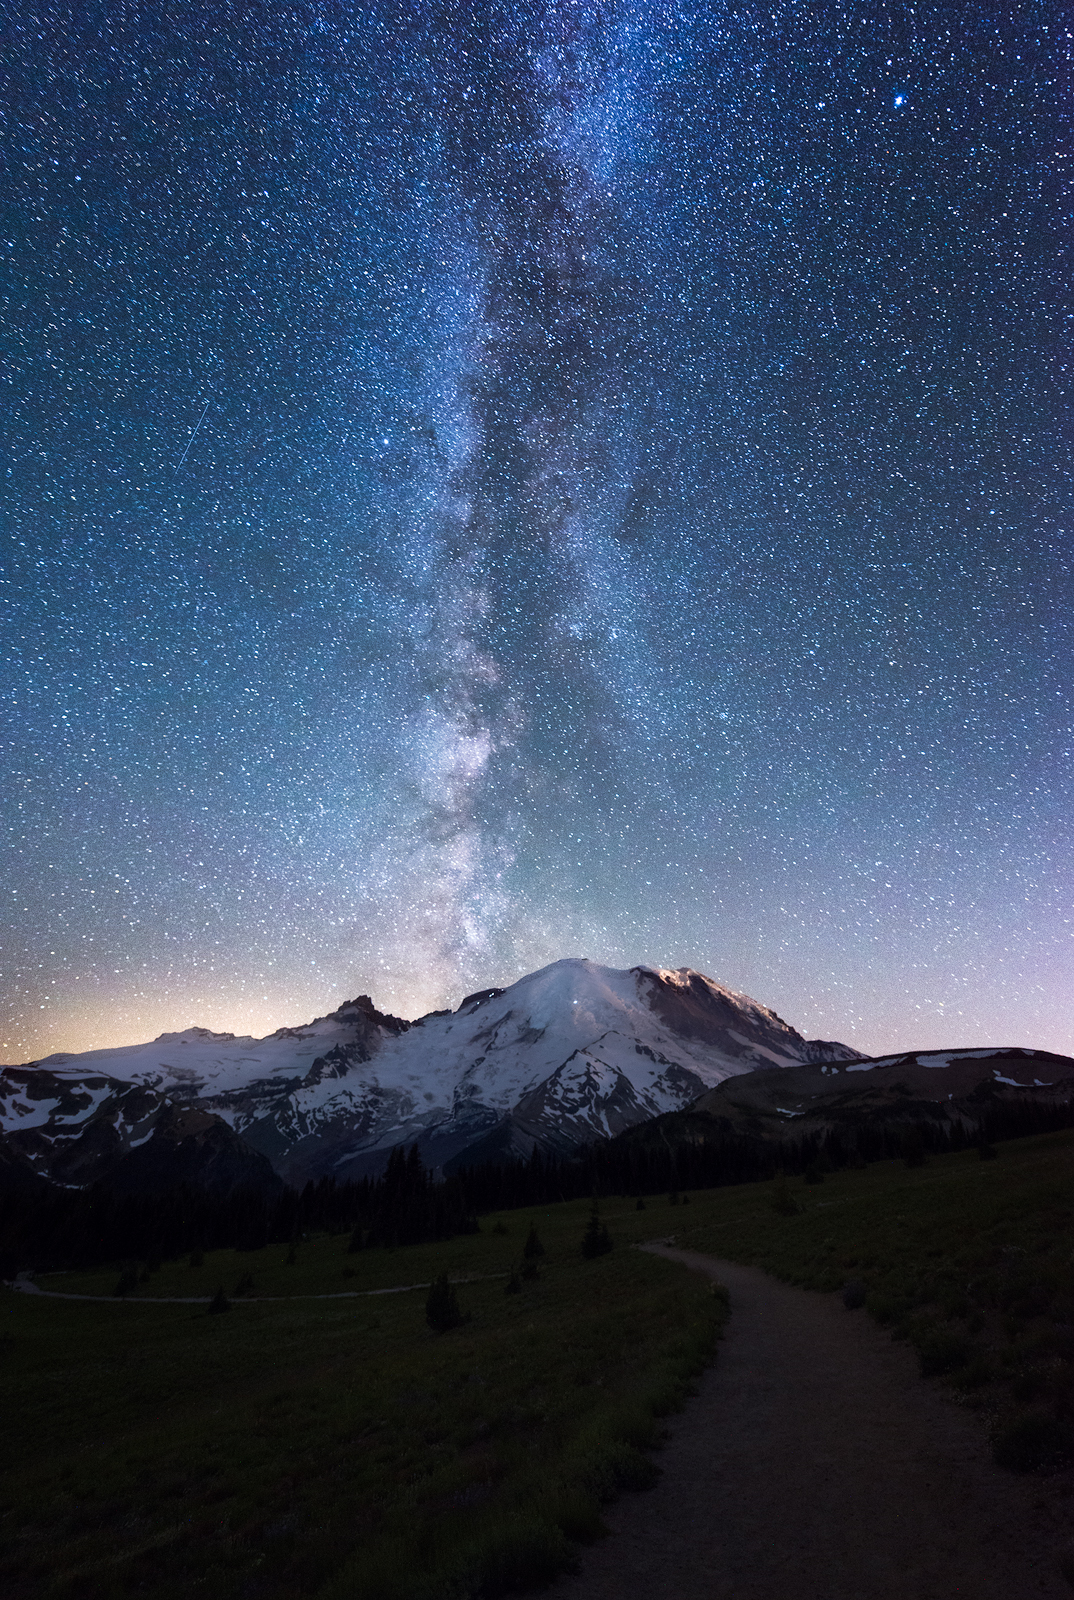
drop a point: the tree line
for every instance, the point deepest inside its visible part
(49, 1228)
(45, 1228)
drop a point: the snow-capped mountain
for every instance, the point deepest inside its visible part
(574, 1052)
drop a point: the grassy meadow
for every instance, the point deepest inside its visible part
(339, 1447)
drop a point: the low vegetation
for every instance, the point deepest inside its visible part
(445, 1419)
(969, 1256)
(447, 1440)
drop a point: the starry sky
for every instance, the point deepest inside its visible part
(492, 482)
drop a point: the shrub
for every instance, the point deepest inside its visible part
(1029, 1383)
(783, 1200)
(853, 1294)
(442, 1307)
(942, 1351)
(1033, 1442)
(886, 1308)
(219, 1302)
(974, 1375)
(513, 1284)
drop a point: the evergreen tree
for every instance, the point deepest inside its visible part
(442, 1307)
(128, 1280)
(533, 1249)
(596, 1240)
(912, 1147)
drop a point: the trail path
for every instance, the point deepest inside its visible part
(23, 1284)
(815, 1464)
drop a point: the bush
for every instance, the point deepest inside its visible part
(853, 1294)
(783, 1200)
(1066, 1566)
(128, 1280)
(219, 1302)
(942, 1351)
(974, 1375)
(513, 1284)
(886, 1308)
(1029, 1383)
(1033, 1442)
(442, 1307)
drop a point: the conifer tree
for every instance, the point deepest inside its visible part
(128, 1280)
(442, 1307)
(596, 1240)
(533, 1249)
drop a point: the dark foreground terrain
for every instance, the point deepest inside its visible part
(298, 1445)
(814, 1463)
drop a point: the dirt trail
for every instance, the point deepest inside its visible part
(23, 1284)
(816, 1465)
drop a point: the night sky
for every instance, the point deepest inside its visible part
(490, 483)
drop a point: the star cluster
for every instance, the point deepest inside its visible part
(493, 482)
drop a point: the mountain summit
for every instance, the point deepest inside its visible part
(574, 1052)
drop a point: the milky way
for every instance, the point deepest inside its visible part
(488, 484)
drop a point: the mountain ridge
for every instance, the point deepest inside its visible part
(573, 1052)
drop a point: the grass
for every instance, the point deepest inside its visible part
(330, 1447)
(971, 1260)
(338, 1448)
